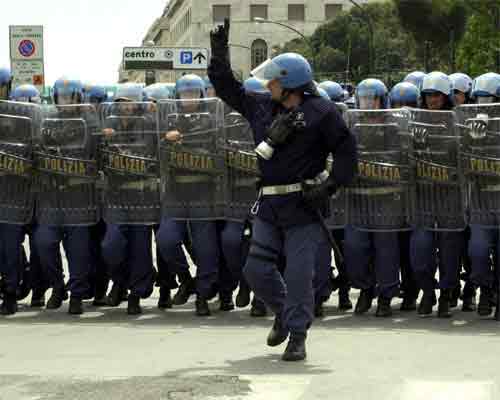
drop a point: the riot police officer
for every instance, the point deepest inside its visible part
(5, 83)
(295, 131)
(415, 77)
(437, 94)
(462, 87)
(361, 247)
(334, 91)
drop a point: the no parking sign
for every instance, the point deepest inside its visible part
(26, 55)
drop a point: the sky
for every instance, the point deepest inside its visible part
(82, 38)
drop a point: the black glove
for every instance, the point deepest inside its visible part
(219, 40)
(282, 127)
(317, 196)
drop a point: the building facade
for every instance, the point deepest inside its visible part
(188, 23)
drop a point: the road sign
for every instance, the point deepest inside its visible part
(26, 55)
(164, 58)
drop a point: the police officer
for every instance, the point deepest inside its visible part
(334, 91)
(406, 94)
(5, 83)
(415, 77)
(437, 94)
(127, 248)
(361, 247)
(200, 236)
(462, 87)
(486, 90)
(295, 131)
(75, 239)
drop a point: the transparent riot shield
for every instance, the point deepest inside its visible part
(242, 167)
(479, 128)
(438, 200)
(18, 124)
(128, 153)
(66, 166)
(379, 198)
(192, 164)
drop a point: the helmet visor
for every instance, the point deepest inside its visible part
(190, 94)
(368, 99)
(485, 99)
(24, 99)
(66, 99)
(267, 71)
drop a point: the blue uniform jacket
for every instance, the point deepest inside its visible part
(303, 157)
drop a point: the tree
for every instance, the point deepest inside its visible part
(437, 26)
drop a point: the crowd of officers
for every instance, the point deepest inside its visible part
(382, 265)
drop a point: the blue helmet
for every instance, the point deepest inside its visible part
(190, 83)
(437, 82)
(291, 69)
(253, 85)
(415, 77)
(95, 94)
(334, 90)
(5, 76)
(68, 91)
(404, 94)
(461, 82)
(158, 91)
(487, 85)
(26, 94)
(323, 93)
(130, 92)
(369, 90)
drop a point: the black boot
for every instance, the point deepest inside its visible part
(484, 309)
(75, 306)
(165, 300)
(409, 302)
(226, 302)
(318, 309)
(444, 303)
(134, 305)
(185, 291)
(383, 307)
(56, 298)
(364, 302)
(202, 309)
(428, 301)
(100, 298)
(278, 333)
(258, 309)
(116, 295)
(37, 298)
(9, 305)
(243, 296)
(469, 297)
(296, 349)
(344, 300)
(455, 295)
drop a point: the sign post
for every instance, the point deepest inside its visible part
(26, 55)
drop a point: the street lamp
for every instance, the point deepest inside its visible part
(306, 40)
(369, 21)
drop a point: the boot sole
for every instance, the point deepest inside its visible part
(292, 358)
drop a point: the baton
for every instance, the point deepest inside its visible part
(331, 239)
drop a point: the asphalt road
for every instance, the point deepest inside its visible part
(105, 354)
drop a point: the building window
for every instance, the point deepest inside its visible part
(296, 12)
(221, 12)
(259, 52)
(258, 11)
(332, 10)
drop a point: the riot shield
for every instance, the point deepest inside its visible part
(379, 197)
(192, 165)
(241, 165)
(128, 153)
(479, 128)
(438, 202)
(67, 167)
(18, 124)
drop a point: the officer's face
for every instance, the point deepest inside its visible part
(370, 103)
(435, 101)
(459, 98)
(276, 90)
(191, 101)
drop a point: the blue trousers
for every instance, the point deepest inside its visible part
(99, 279)
(76, 243)
(205, 250)
(128, 254)
(290, 297)
(372, 260)
(482, 242)
(232, 255)
(322, 283)
(423, 245)
(11, 240)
